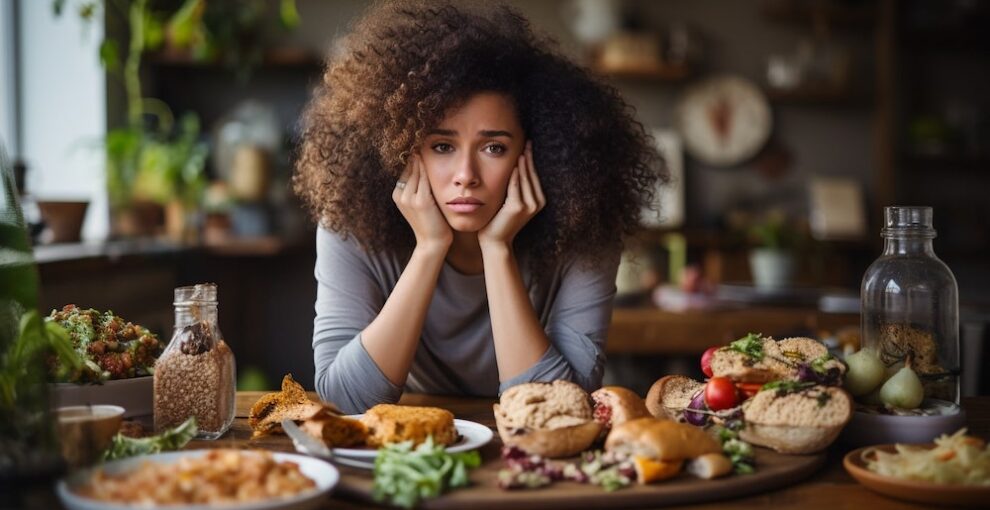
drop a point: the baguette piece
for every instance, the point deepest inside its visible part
(709, 465)
(670, 395)
(804, 421)
(615, 405)
(662, 440)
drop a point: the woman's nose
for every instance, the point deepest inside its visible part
(467, 173)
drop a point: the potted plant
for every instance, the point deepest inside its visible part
(153, 166)
(772, 260)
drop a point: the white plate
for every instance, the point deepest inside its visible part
(324, 475)
(473, 436)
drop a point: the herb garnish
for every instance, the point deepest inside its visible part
(784, 387)
(404, 475)
(171, 439)
(750, 345)
(739, 452)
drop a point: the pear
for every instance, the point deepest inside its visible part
(865, 374)
(903, 389)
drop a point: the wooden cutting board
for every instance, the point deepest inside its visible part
(773, 471)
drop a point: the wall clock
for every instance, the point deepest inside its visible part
(724, 121)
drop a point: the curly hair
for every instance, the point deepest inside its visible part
(406, 65)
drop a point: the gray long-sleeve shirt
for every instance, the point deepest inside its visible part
(456, 352)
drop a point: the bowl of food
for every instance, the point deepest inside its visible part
(872, 425)
(202, 479)
(116, 362)
(86, 431)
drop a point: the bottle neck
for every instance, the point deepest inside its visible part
(908, 245)
(191, 314)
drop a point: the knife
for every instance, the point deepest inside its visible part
(309, 445)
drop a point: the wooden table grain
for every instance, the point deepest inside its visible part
(830, 488)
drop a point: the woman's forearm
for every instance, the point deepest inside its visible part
(520, 341)
(392, 338)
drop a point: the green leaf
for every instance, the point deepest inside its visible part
(57, 7)
(288, 14)
(110, 55)
(171, 439)
(750, 345)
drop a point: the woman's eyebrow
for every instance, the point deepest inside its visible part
(493, 133)
(486, 133)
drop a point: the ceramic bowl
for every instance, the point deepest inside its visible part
(866, 429)
(85, 431)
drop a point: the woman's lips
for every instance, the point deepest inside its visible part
(465, 204)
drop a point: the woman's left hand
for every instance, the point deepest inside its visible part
(523, 199)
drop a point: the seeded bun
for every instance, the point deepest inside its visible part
(670, 395)
(548, 419)
(806, 421)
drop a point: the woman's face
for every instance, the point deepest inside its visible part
(469, 158)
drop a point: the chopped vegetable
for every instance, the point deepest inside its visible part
(957, 459)
(784, 387)
(171, 439)
(404, 475)
(750, 345)
(739, 452)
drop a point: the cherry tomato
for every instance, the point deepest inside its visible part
(720, 393)
(706, 361)
(749, 389)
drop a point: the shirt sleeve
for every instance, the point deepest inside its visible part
(577, 327)
(348, 298)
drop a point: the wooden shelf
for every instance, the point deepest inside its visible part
(658, 73)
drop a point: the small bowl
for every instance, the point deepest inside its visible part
(86, 431)
(865, 429)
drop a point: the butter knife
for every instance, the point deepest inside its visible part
(309, 445)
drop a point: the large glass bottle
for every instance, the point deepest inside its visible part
(196, 374)
(911, 303)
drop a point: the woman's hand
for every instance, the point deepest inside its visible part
(523, 200)
(414, 197)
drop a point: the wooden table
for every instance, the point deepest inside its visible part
(830, 488)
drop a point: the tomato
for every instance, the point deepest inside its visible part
(706, 361)
(749, 389)
(720, 393)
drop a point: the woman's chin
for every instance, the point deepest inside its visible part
(465, 226)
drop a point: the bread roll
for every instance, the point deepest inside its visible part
(615, 405)
(806, 421)
(670, 395)
(662, 440)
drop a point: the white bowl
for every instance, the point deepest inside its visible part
(865, 429)
(134, 395)
(323, 474)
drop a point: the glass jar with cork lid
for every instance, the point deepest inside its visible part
(911, 307)
(196, 374)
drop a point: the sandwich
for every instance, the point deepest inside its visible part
(795, 417)
(336, 431)
(659, 449)
(756, 360)
(615, 405)
(671, 395)
(548, 419)
(389, 423)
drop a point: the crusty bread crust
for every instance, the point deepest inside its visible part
(626, 404)
(780, 360)
(663, 440)
(390, 423)
(802, 422)
(551, 443)
(291, 403)
(336, 431)
(669, 396)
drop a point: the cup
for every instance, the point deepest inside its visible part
(86, 431)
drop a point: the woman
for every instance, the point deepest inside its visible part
(473, 188)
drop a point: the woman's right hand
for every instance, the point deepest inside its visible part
(414, 198)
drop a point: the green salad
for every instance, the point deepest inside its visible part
(107, 347)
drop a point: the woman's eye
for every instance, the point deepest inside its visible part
(495, 148)
(442, 147)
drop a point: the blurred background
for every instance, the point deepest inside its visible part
(153, 142)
